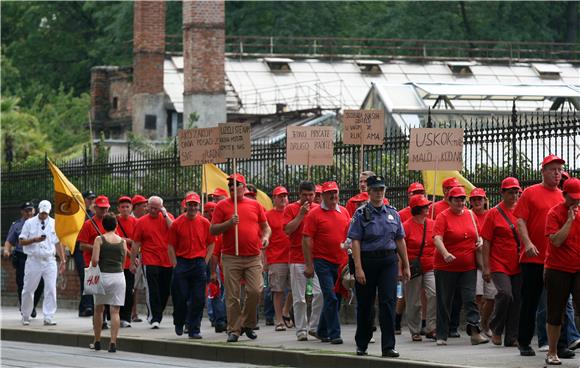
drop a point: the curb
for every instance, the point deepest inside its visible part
(218, 352)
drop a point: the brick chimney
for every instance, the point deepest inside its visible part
(149, 113)
(204, 53)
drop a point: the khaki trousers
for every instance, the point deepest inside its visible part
(249, 269)
(413, 289)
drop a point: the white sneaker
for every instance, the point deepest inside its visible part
(125, 324)
(155, 325)
(372, 340)
(441, 343)
(302, 336)
(544, 348)
(49, 322)
(25, 322)
(574, 345)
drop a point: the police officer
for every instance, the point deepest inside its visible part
(377, 237)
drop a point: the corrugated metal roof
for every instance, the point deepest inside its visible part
(341, 84)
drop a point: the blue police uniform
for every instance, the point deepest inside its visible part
(377, 229)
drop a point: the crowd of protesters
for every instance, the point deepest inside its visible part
(429, 260)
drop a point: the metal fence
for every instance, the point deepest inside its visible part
(494, 147)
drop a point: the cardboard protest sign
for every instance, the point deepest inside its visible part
(235, 140)
(199, 146)
(309, 145)
(436, 148)
(364, 127)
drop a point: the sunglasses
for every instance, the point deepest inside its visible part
(231, 185)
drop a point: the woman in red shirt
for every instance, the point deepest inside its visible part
(501, 249)
(419, 239)
(456, 239)
(562, 265)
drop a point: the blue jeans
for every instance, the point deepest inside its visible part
(569, 331)
(188, 292)
(327, 273)
(216, 308)
(268, 304)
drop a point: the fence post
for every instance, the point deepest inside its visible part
(128, 192)
(84, 175)
(175, 166)
(514, 132)
(47, 175)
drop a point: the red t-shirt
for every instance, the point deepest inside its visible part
(503, 253)
(459, 238)
(355, 201)
(566, 257)
(128, 225)
(296, 255)
(438, 207)
(328, 229)
(413, 238)
(190, 238)
(533, 207)
(251, 215)
(277, 250)
(405, 214)
(88, 234)
(152, 233)
(480, 218)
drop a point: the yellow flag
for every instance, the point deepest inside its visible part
(69, 208)
(215, 178)
(429, 181)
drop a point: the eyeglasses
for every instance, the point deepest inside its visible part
(231, 185)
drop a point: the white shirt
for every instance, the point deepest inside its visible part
(34, 227)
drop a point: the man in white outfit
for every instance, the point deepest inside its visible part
(39, 242)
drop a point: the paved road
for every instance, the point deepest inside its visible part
(27, 355)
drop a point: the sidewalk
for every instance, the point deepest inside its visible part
(271, 348)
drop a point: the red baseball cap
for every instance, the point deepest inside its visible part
(457, 192)
(419, 200)
(138, 198)
(124, 199)
(239, 178)
(193, 197)
(318, 188)
(551, 159)
(510, 183)
(183, 203)
(477, 192)
(451, 183)
(329, 186)
(572, 188)
(565, 175)
(279, 190)
(102, 201)
(220, 192)
(209, 205)
(415, 187)
(361, 197)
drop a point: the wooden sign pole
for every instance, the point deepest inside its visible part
(308, 166)
(362, 157)
(236, 203)
(434, 188)
(202, 185)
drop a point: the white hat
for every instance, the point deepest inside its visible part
(44, 206)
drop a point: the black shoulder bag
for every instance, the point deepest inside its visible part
(415, 264)
(511, 225)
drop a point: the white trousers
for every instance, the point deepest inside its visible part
(298, 286)
(35, 269)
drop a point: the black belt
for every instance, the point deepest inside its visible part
(378, 253)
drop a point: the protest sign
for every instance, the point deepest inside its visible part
(235, 140)
(436, 149)
(364, 127)
(199, 146)
(309, 145)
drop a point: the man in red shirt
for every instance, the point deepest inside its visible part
(414, 189)
(531, 211)
(150, 239)
(139, 204)
(325, 229)
(562, 275)
(219, 194)
(277, 258)
(318, 194)
(294, 215)
(253, 234)
(125, 227)
(190, 250)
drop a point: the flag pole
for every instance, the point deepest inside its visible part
(236, 203)
(308, 165)
(434, 187)
(362, 156)
(202, 184)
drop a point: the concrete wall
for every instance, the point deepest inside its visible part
(209, 108)
(153, 105)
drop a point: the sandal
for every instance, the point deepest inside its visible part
(553, 360)
(280, 327)
(416, 337)
(288, 321)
